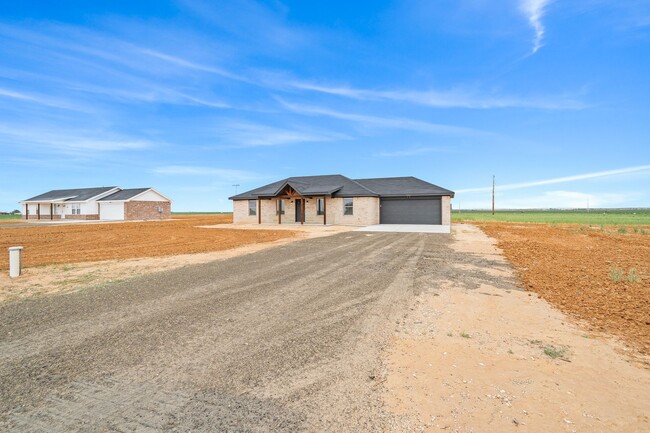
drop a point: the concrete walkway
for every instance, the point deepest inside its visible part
(407, 228)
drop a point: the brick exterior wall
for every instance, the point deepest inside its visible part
(446, 210)
(240, 213)
(366, 212)
(147, 210)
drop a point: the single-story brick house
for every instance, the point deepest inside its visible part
(336, 199)
(107, 203)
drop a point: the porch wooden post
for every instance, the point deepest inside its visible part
(324, 211)
(259, 211)
(51, 211)
(38, 211)
(26, 211)
(278, 206)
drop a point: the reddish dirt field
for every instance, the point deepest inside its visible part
(57, 244)
(571, 267)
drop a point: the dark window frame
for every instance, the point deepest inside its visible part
(348, 206)
(252, 207)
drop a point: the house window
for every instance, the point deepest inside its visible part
(320, 206)
(252, 207)
(76, 208)
(279, 207)
(348, 206)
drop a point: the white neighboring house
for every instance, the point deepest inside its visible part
(102, 203)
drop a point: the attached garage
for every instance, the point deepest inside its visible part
(138, 204)
(410, 210)
(111, 211)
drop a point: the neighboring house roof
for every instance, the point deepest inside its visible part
(400, 186)
(337, 185)
(124, 194)
(79, 194)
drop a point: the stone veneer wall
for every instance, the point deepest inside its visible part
(365, 212)
(446, 210)
(240, 213)
(147, 210)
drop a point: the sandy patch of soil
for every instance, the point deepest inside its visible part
(10, 221)
(489, 358)
(70, 277)
(64, 244)
(575, 267)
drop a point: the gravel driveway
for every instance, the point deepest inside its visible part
(286, 339)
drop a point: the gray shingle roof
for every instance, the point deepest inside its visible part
(79, 194)
(124, 194)
(400, 186)
(337, 185)
(334, 184)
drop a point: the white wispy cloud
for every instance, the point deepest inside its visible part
(187, 64)
(382, 122)
(69, 141)
(413, 151)
(39, 99)
(444, 99)
(556, 180)
(244, 134)
(194, 170)
(534, 11)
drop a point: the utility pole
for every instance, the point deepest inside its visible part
(493, 183)
(236, 186)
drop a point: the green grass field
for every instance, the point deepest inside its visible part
(11, 217)
(593, 217)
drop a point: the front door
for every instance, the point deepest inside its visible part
(298, 212)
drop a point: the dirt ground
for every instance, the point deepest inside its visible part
(87, 242)
(571, 267)
(476, 354)
(287, 339)
(69, 277)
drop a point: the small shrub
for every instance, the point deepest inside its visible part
(465, 335)
(635, 229)
(554, 352)
(622, 230)
(644, 232)
(449, 334)
(632, 277)
(616, 275)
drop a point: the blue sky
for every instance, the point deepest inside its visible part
(192, 97)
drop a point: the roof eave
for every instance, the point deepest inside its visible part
(444, 194)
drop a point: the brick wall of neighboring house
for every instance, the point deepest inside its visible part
(147, 210)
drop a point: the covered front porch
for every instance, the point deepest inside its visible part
(41, 211)
(290, 206)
